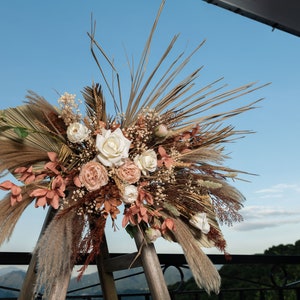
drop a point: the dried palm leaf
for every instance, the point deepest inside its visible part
(11, 158)
(10, 215)
(95, 103)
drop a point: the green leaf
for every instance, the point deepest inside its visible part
(4, 128)
(21, 132)
(131, 230)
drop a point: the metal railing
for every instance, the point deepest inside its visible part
(282, 291)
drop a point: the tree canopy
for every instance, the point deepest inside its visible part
(257, 280)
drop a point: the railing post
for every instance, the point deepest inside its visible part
(106, 278)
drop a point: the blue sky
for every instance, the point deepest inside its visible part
(45, 48)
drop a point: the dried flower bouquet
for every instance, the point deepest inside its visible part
(157, 165)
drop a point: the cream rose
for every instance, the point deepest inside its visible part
(77, 132)
(113, 147)
(161, 130)
(130, 194)
(129, 172)
(147, 161)
(152, 234)
(93, 176)
(200, 221)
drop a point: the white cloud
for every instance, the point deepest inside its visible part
(272, 196)
(279, 191)
(254, 225)
(279, 188)
(257, 211)
(260, 217)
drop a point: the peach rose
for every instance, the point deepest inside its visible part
(129, 172)
(93, 176)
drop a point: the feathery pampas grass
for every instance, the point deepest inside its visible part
(204, 272)
(54, 251)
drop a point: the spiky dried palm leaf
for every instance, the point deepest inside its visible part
(37, 121)
(95, 103)
(10, 157)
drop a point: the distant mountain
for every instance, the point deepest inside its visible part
(124, 282)
(13, 278)
(10, 281)
(9, 269)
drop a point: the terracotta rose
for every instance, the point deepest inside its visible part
(129, 172)
(93, 176)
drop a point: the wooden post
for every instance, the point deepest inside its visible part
(106, 278)
(152, 268)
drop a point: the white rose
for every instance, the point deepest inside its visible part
(77, 132)
(113, 147)
(147, 161)
(130, 194)
(152, 234)
(200, 221)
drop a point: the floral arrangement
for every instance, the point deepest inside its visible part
(157, 166)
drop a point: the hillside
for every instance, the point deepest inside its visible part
(14, 278)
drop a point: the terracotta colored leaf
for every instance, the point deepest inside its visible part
(6, 185)
(52, 156)
(38, 193)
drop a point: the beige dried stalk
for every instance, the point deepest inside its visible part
(54, 250)
(204, 272)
